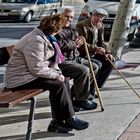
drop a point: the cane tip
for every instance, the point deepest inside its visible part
(102, 109)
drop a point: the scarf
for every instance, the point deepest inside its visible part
(58, 57)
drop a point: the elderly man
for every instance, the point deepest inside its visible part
(92, 29)
(69, 42)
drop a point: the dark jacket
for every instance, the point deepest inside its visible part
(67, 43)
(94, 37)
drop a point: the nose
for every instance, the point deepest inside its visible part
(101, 19)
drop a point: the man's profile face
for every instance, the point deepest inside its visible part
(97, 19)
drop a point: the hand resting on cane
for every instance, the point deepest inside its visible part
(61, 78)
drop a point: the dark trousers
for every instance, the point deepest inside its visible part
(105, 69)
(61, 104)
(81, 78)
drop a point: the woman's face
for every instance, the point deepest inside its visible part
(69, 18)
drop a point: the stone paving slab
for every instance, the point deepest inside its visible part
(133, 130)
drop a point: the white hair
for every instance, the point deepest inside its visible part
(66, 9)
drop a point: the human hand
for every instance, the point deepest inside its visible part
(79, 41)
(61, 78)
(99, 25)
(110, 57)
(100, 50)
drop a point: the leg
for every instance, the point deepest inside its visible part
(59, 96)
(61, 105)
(99, 64)
(104, 71)
(85, 62)
(81, 79)
(96, 67)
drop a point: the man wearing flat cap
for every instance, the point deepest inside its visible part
(93, 31)
(100, 11)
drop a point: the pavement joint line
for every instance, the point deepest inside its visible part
(131, 123)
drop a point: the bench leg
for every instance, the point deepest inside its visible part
(31, 118)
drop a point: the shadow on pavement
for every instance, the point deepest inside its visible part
(38, 135)
(22, 118)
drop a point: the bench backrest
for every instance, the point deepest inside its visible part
(5, 53)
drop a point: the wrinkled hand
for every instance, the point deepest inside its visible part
(110, 56)
(61, 78)
(100, 50)
(79, 41)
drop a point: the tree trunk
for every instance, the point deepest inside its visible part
(121, 27)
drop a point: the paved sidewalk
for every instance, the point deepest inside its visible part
(132, 132)
(120, 119)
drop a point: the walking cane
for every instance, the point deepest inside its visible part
(122, 76)
(93, 75)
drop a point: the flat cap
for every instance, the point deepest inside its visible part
(100, 11)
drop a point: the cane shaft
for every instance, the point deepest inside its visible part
(123, 77)
(93, 75)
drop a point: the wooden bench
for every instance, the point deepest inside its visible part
(9, 98)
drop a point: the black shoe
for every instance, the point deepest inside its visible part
(86, 105)
(59, 127)
(77, 124)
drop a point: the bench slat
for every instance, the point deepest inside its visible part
(9, 99)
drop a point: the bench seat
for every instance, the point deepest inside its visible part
(9, 98)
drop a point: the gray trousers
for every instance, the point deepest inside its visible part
(81, 78)
(95, 63)
(96, 68)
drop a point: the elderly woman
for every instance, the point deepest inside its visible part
(34, 64)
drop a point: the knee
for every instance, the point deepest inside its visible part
(95, 68)
(60, 85)
(99, 65)
(82, 70)
(85, 70)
